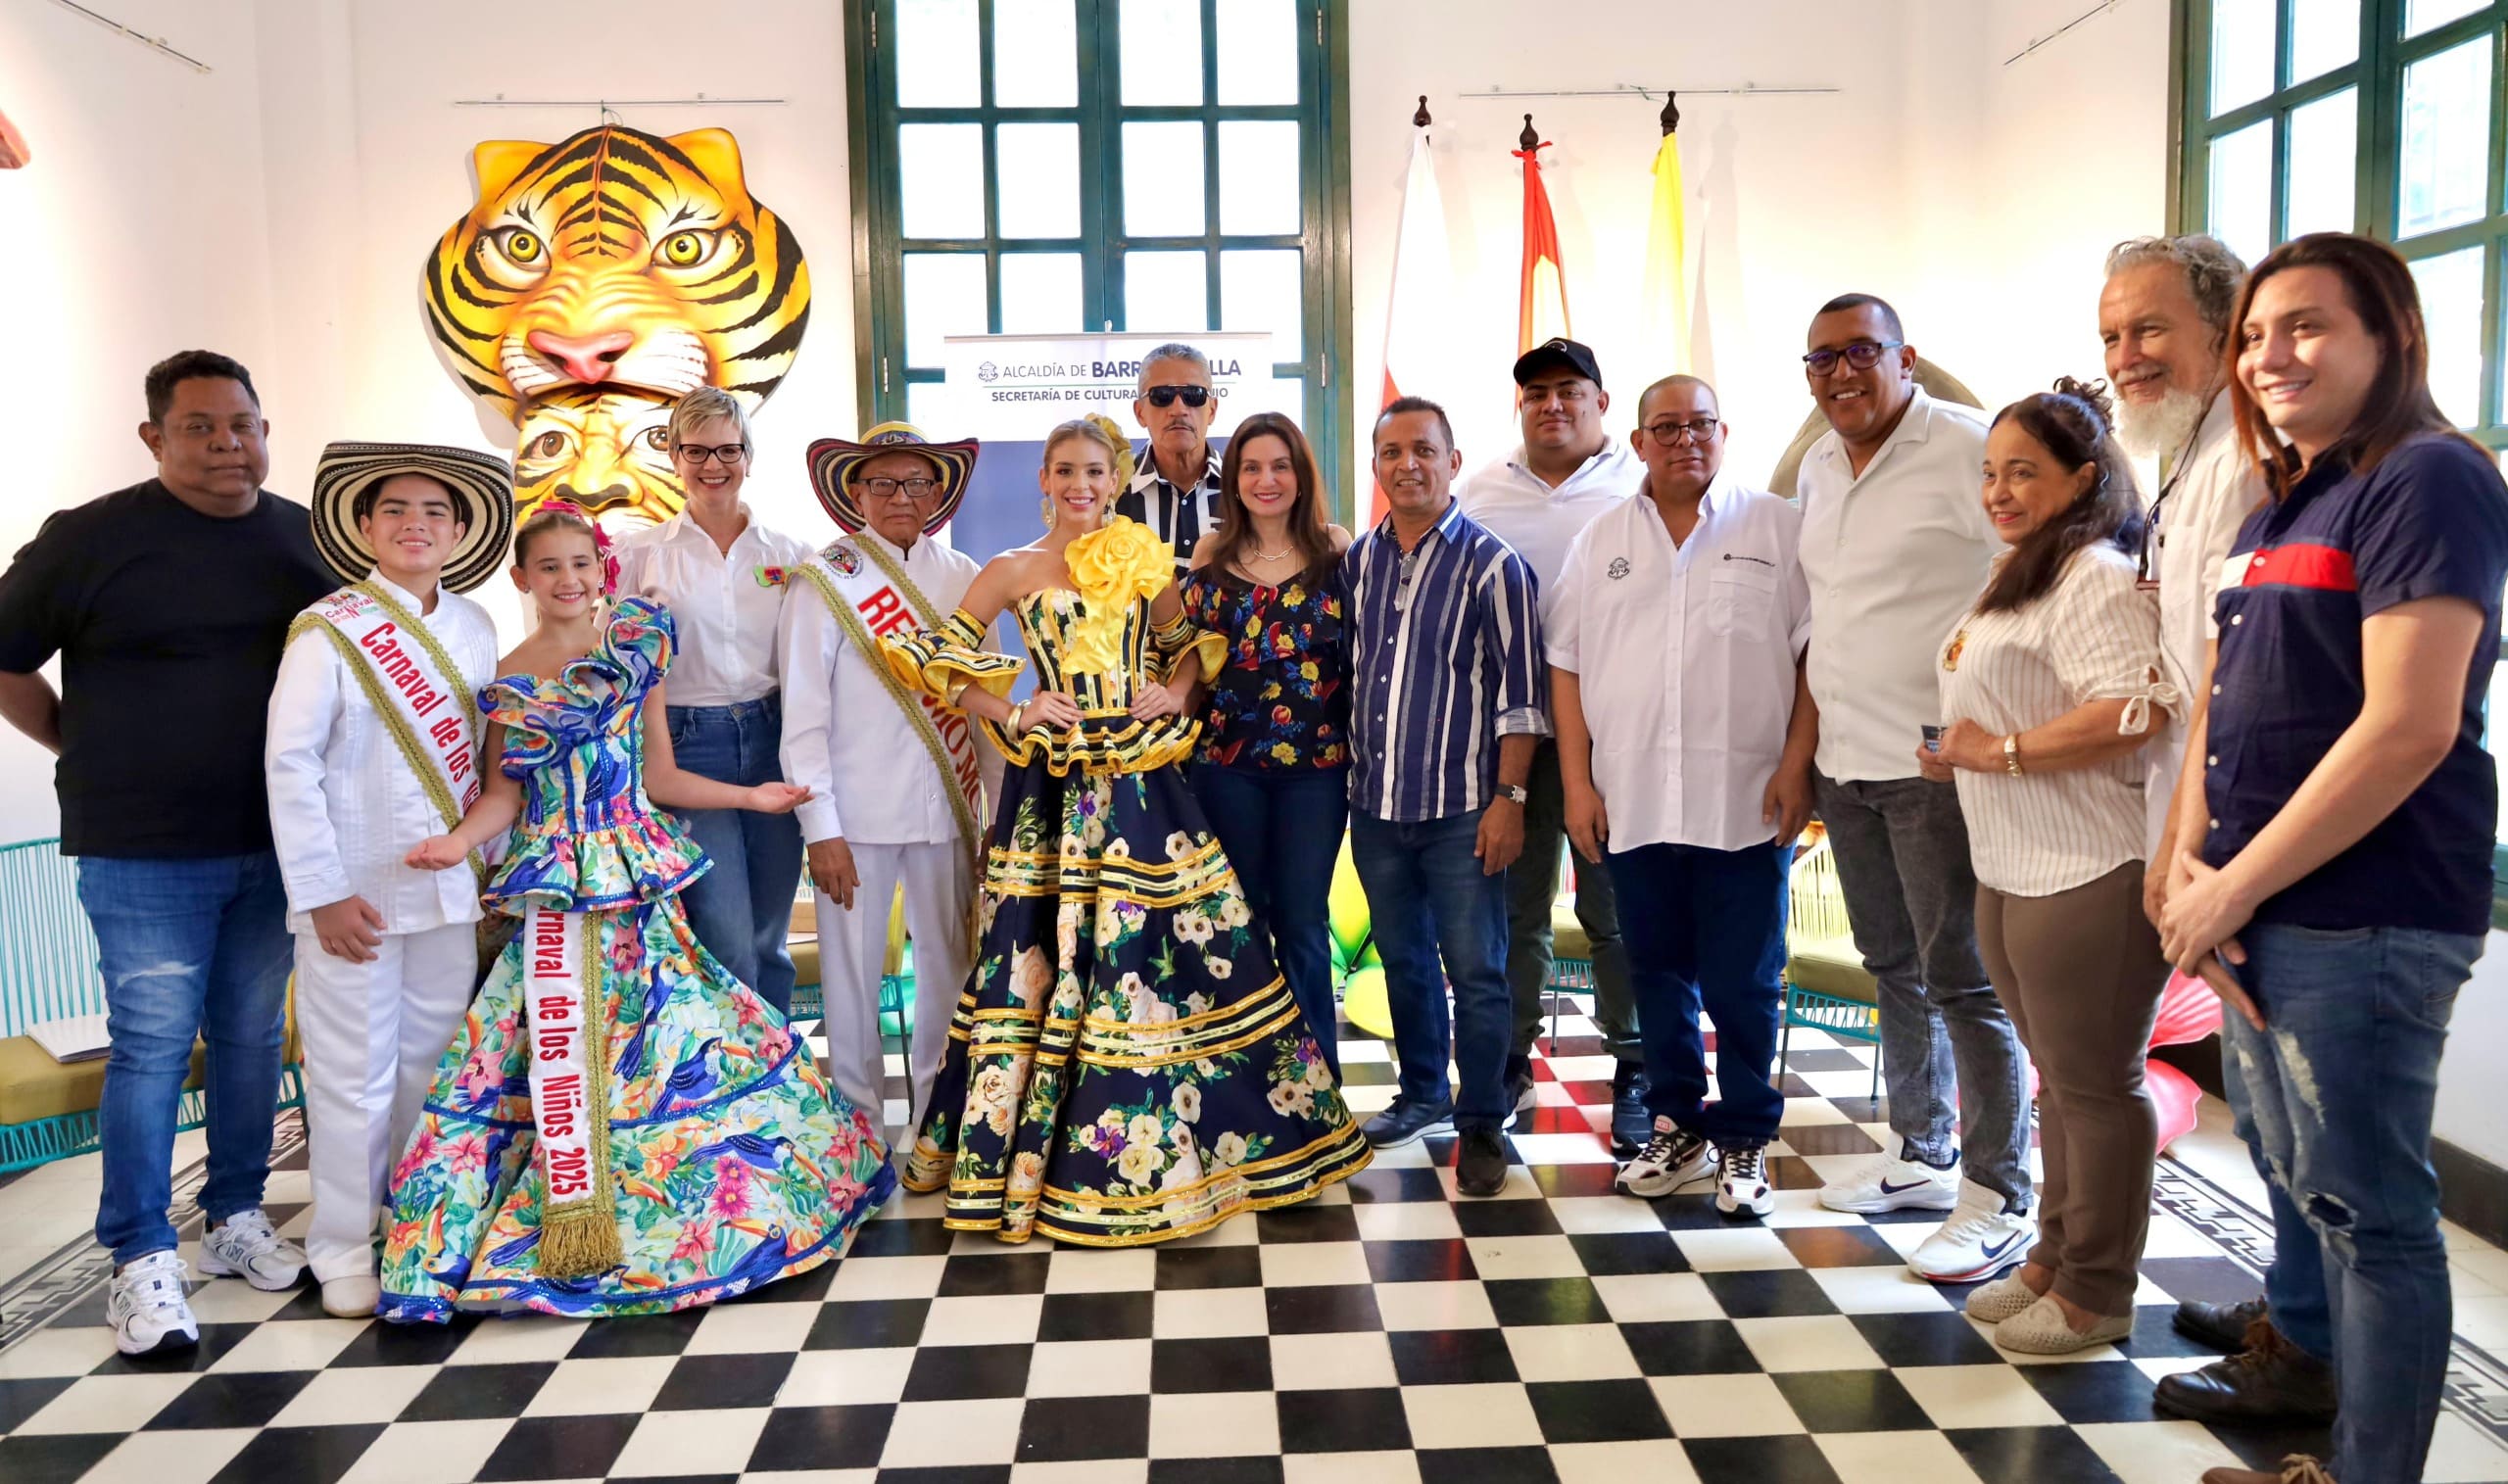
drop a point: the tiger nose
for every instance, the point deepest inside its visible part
(616, 494)
(586, 358)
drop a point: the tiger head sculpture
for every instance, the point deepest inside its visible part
(616, 261)
(607, 451)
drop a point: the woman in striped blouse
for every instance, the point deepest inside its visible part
(2048, 689)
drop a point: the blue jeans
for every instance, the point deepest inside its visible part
(2295, 1280)
(1431, 905)
(742, 910)
(188, 949)
(1283, 833)
(2338, 1088)
(1705, 928)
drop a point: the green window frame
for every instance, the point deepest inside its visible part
(885, 376)
(2212, 185)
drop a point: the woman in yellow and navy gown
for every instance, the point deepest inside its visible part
(1126, 1064)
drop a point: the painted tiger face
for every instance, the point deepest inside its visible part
(607, 451)
(616, 259)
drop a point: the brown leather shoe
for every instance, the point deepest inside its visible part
(2271, 1380)
(2223, 1327)
(2298, 1469)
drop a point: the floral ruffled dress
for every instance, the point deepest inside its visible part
(734, 1163)
(1127, 1064)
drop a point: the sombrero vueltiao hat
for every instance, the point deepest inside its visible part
(482, 488)
(833, 461)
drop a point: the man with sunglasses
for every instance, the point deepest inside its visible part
(896, 781)
(1176, 490)
(1568, 470)
(1897, 546)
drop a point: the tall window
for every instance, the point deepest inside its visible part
(1034, 167)
(2381, 117)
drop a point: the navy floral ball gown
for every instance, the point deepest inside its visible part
(731, 1161)
(1127, 1064)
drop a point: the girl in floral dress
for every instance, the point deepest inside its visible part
(1127, 1064)
(690, 1149)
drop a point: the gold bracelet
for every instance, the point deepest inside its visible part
(1017, 714)
(2012, 754)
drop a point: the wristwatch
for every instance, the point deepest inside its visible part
(1514, 792)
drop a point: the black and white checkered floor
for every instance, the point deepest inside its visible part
(1387, 1332)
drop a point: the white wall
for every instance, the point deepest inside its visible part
(280, 208)
(1978, 198)
(137, 229)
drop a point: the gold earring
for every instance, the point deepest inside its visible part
(1045, 512)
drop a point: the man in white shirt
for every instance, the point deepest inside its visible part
(373, 747)
(1897, 546)
(1568, 470)
(897, 782)
(1688, 759)
(2164, 319)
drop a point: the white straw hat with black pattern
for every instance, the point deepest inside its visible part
(482, 487)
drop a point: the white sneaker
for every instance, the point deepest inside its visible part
(244, 1246)
(1740, 1183)
(1669, 1159)
(1893, 1182)
(147, 1306)
(353, 1297)
(1980, 1240)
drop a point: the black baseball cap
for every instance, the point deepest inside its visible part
(1556, 353)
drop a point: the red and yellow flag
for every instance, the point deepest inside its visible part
(1544, 312)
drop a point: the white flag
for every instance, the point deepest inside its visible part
(1418, 344)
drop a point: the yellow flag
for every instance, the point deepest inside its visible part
(1666, 303)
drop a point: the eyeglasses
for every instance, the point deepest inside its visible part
(698, 454)
(890, 488)
(1163, 397)
(1864, 356)
(1700, 430)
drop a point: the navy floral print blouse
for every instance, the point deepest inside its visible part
(1283, 701)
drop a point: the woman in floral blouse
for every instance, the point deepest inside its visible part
(1272, 768)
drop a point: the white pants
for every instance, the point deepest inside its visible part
(373, 1033)
(940, 896)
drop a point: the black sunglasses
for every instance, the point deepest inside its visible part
(1161, 396)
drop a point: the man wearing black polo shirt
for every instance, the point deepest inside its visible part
(2338, 811)
(168, 604)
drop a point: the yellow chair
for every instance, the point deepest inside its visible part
(809, 1002)
(1826, 986)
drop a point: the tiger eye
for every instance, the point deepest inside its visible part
(682, 248)
(521, 246)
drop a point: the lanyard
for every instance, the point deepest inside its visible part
(2153, 539)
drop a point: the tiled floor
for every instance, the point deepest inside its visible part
(1387, 1332)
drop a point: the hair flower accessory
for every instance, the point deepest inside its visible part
(602, 545)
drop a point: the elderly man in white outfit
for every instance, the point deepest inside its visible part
(373, 745)
(897, 782)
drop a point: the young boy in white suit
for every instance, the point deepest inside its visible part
(374, 745)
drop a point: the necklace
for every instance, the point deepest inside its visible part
(1287, 551)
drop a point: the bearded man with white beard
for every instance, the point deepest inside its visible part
(2164, 319)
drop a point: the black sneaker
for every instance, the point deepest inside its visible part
(1406, 1121)
(1519, 1088)
(1630, 1123)
(1481, 1163)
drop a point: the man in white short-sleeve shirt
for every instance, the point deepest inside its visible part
(1897, 546)
(1568, 470)
(1685, 750)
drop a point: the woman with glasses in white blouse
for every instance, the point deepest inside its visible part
(2047, 690)
(721, 574)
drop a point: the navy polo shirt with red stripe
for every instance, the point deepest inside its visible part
(2430, 521)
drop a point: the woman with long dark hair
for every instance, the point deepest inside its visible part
(2048, 688)
(2337, 815)
(1272, 770)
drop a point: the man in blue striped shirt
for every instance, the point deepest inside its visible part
(1448, 700)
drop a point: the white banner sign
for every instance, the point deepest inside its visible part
(1009, 388)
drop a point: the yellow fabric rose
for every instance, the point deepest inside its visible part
(1113, 566)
